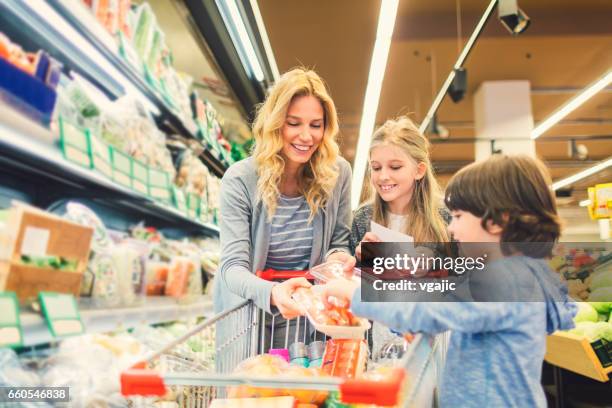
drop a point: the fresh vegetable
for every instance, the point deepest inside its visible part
(593, 330)
(586, 313)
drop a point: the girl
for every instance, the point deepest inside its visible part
(406, 196)
(496, 349)
(288, 206)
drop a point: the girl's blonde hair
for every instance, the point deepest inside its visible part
(319, 176)
(426, 223)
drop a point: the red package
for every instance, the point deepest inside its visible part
(178, 276)
(344, 358)
(314, 307)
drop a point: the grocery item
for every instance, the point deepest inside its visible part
(332, 270)
(104, 284)
(586, 313)
(335, 321)
(156, 277)
(264, 365)
(270, 402)
(130, 272)
(314, 307)
(316, 349)
(81, 214)
(345, 358)
(179, 274)
(298, 354)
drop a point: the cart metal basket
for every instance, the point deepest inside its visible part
(195, 379)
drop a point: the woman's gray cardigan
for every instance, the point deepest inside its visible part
(245, 234)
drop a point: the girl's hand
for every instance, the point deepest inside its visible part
(281, 297)
(341, 289)
(368, 237)
(341, 256)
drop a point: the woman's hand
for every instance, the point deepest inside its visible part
(341, 289)
(344, 257)
(281, 297)
(368, 237)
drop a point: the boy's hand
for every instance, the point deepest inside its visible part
(368, 237)
(341, 289)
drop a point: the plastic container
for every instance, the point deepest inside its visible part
(75, 144)
(156, 277)
(178, 276)
(38, 98)
(193, 205)
(336, 322)
(316, 350)
(122, 167)
(333, 270)
(298, 354)
(140, 177)
(101, 156)
(345, 358)
(159, 185)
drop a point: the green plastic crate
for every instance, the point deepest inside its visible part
(74, 143)
(101, 155)
(178, 196)
(140, 177)
(159, 185)
(122, 167)
(193, 205)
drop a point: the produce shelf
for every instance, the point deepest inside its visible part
(157, 309)
(28, 149)
(71, 34)
(575, 353)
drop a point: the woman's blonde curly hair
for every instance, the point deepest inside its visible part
(319, 176)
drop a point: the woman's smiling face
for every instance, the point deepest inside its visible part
(303, 129)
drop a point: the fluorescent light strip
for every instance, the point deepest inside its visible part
(582, 174)
(585, 203)
(264, 38)
(572, 104)
(384, 32)
(236, 24)
(462, 57)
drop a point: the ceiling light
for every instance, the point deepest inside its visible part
(264, 38)
(512, 17)
(582, 174)
(572, 104)
(384, 32)
(240, 37)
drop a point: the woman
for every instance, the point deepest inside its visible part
(288, 206)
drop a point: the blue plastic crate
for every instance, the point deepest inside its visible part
(28, 89)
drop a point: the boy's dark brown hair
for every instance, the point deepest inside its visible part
(513, 192)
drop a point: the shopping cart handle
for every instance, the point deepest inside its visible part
(361, 391)
(142, 382)
(271, 275)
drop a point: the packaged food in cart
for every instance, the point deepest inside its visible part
(335, 321)
(333, 270)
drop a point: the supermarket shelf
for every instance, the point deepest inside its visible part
(28, 148)
(71, 34)
(158, 309)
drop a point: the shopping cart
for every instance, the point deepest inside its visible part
(170, 373)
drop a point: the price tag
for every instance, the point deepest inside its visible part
(10, 326)
(61, 313)
(35, 241)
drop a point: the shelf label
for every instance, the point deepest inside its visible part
(61, 313)
(10, 326)
(35, 241)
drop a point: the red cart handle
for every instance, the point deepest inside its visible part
(271, 275)
(142, 382)
(385, 393)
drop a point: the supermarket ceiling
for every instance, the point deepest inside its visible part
(567, 46)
